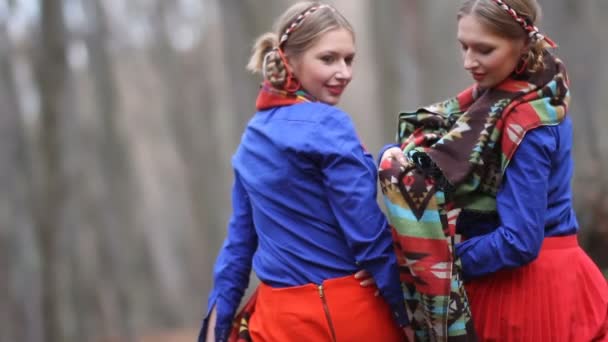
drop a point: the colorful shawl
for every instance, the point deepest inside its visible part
(458, 150)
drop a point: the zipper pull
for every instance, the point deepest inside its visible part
(321, 293)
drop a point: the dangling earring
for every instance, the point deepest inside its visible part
(522, 65)
(292, 84)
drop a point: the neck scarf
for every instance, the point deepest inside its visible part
(460, 141)
(270, 97)
(458, 150)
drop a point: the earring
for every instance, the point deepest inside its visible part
(292, 84)
(522, 65)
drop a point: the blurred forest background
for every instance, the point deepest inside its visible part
(119, 118)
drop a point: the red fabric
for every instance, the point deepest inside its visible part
(268, 100)
(239, 331)
(296, 314)
(561, 296)
(427, 270)
(270, 97)
(602, 336)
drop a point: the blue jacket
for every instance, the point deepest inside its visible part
(534, 201)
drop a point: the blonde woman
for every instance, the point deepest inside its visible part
(304, 200)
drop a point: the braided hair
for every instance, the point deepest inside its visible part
(514, 19)
(295, 31)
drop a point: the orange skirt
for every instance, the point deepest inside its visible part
(560, 296)
(338, 310)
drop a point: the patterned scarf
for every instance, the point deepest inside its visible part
(269, 97)
(458, 150)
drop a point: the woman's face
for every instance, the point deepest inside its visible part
(489, 58)
(325, 69)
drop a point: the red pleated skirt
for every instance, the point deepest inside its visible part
(303, 314)
(561, 296)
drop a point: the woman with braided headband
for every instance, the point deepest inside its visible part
(493, 166)
(304, 201)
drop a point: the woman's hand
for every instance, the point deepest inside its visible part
(394, 153)
(409, 333)
(366, 280)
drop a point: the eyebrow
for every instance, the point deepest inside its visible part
(478, 44)
(333, 52)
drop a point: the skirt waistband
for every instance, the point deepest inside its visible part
(560, 242)
(341, 282)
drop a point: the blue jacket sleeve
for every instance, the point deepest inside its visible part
(384, 149)
(233, 265)
(349, 175)
(521, 205)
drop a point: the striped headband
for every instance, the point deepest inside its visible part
(298, 20)
(526, 24)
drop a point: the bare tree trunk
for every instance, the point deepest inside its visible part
(17, 319)
(391, 57)
(587, 84)
(239, 28)
(109, 209)
(598, 240)
(187, 89)
(584, 66)
(179, 250)
(237, 88)
(9, 177)
(51, 71)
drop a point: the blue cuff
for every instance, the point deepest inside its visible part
(202, 335)
(221, 334)
(383, 149)
(400, 314)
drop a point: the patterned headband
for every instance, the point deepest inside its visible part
(298, 20)
(533, 31)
